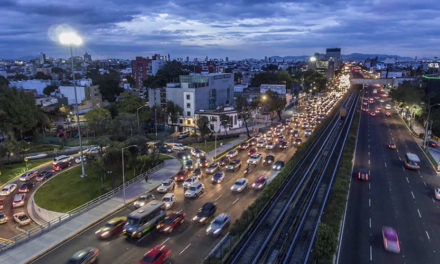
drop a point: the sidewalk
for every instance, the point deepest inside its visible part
(40, 244)
(226, 146)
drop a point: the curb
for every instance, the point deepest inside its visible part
(16, 177)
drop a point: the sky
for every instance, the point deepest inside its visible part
(236, 29)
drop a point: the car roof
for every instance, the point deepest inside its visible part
(208, 205)
(390, 233)
(79, 254)
(117, 219)
(168, 195)
(222, 216)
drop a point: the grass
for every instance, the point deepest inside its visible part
(209, 145)
(36, 147)
(67, 190)
(10, 171)
(434, 163)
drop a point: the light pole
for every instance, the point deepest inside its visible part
(427, 122)
(71, 38)
(123, 169)
(137, 114)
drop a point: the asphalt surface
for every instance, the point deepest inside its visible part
(395, 196)
(189, 242)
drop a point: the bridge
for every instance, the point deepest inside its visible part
(393, 82)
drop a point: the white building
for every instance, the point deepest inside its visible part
(69, 93)
(215, 122)
(277, 88)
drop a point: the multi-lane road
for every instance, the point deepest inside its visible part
(395, 196)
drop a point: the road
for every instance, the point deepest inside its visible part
(189, 242)
(395, 196)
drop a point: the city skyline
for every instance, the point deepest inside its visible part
(245, 29)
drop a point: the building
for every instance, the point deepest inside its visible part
(87, 57)
(42, 58)
(213, 116)
(143, 67)
(277, 88)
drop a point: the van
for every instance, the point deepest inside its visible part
(64, 158)
(412, 161)
(144, 219)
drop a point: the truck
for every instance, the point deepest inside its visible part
(342, 113)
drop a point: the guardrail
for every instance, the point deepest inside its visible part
(31, 233)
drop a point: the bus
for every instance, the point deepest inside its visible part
(412, 161)
(144, 219)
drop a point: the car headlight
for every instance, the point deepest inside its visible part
(253, 185)
(195, 218)
(217, 231)
(105, 234)
(167, 229)
(203, 219)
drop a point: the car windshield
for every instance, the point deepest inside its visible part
(111, 224)
(22, 217)
(142, 199)
(217, 222)
(181, 173)
(240, 182)
(260, 180)
(148, 259)
(169, 219)
(213, 165)
(132, 221)
(166, 183)
(167, 199)
(193, 188)
(390, 235)
(189, 162)
(18, 198)
(2, 215)
(232, 152)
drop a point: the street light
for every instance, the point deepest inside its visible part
(137, 114)
(427, 122)
(71, 38)
(123, 169)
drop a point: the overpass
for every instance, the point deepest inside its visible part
(393, 82)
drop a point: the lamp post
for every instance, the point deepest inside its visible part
(427, 122)
(123, 169)
(71, 38)
(137, 114)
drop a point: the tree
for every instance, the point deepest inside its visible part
(3, 81)
(123, 126)
(108, 84)
(203, 125)
(173, 111)
(97, 119)
(270, 68)
(244, 109)
(130, 80)
(57, 70)
(409, 93)
(274, 103)
(129, 102)
(50, 89)
(225, 121)
(42, 76)
(325, 244)
(170, 72)
(238, 76)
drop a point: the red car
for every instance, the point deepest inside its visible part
(170, 222)
(181, 175)
(157, 255)
(372, 114)
(61, 165)
(252, 151)
(203, 162)
(432, 144)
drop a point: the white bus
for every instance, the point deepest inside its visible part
(144, 219)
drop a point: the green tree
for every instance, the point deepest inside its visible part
(274, 103)
(50, 89)
(325, 244)
(238, 76)
(130, 80)
(173, 111)
(244, 109)
(108, 84)
(98, 119)
(409, 93)
(170, 72)
(270, 68)
(203, 125)
(129, 102)
(124, 125)
(3, 81)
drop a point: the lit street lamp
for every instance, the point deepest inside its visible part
(71, 38)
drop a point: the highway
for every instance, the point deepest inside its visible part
(395, 196)
(189, 242)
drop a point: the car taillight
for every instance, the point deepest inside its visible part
(407, 164)
(96, 251)
(386, 242)
(359, 175)
(398, 246)
(367, 177)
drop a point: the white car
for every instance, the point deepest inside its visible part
(437, 193)
(255, 159)
(143, 200)
(28, 175)
(188, 182)
(8, 189)
(239, 185)
(64, 158)
(195, 190)
(232, 153)
(218, 224)
(270, 145)
(18, 200)
(92, 150)
(21, 218)
(387, 106)
(168, 199)
(261, 143)
(166, 186)
(308, 132)
(179, 147)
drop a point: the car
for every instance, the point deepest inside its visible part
(223, 161)
(387, 106)
(232, 153)
(437, 193)
(280, 139)
(218, 177)
(92, 150)
(8, 189)
(194, 190)
(178, 147)
(278, 132)
(156, 255)
(25, 187)
(181, 176)
(144, 199)
(432, 144)
(21, 218)
(165, 148)
(284, 145)
(3, 218)
(390, 239)
(78, 159)
(297, 141)
(239, 185)
(387, 113)
(261, 143)
(183, 135)
(377, 111)
(197, 172)
(278, 165)
(295, 133)
(212, 168)
(44, 175)
(166, 186)
(255, 159)
(183, 155)
(270, 145)
(196, 152)
(2, 203)
(244, 146)
(168, 199)
(252, 151)
(392, 146)
(112, 227)
(363, 175)
(189, 165)
(308, 132)
(86, 255)
(28, 175)
(171, 221)
(188, 182)
(61, 165)
(269, 159)
(202, 161)
(372, 113)
(259, 183)
(305, 125)
(204, 213)
(18, 200)
(234, 165)
(219, 224)
(65, 158)
(253, 142)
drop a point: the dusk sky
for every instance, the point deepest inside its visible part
(237, 29)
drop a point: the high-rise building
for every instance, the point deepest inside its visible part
(139, 70)
(187, 59)
(42, 58)
(227, 59)
(87, 57)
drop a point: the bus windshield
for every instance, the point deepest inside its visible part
(132, 221)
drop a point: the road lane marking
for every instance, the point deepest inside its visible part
(368, 153)
(403, 168)
(369, 202)
(418, 211)
(369, 186)
(407, 180)
(424, 183)
(216, 199)
(235, 201)
(368, 162)
(400, 158)
(371, 253)
(166, 240)
(412, 194)
(385, 164)
(370, 223)
(185, 248)
(427, 235)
